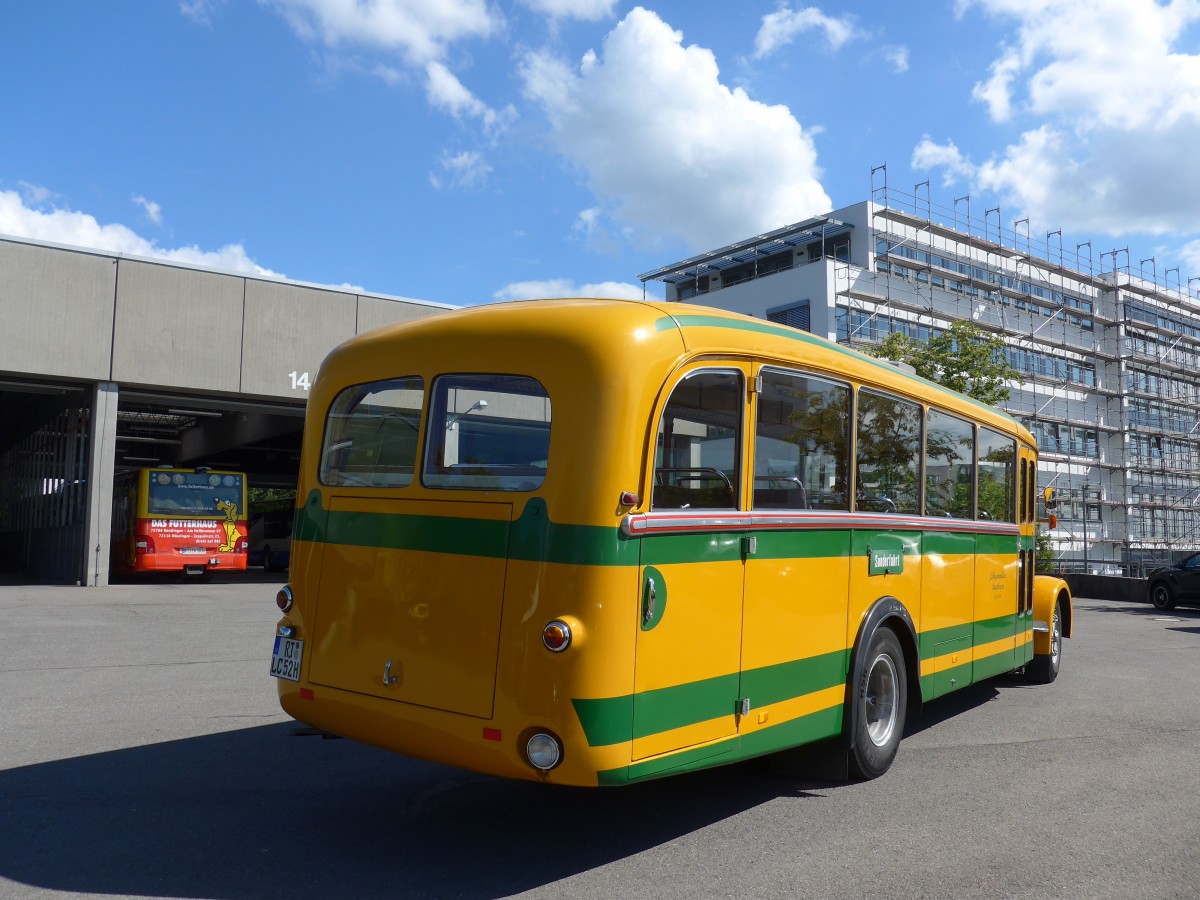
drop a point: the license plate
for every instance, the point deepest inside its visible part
(285, 660)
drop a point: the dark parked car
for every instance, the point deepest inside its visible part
(1171, 584)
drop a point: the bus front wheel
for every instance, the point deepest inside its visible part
(1044, 669)
(880, 702)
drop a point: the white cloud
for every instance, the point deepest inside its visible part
(996, 92)
(420, 30)
(587, 10)
(1190, 254)
(780, 28)
(564, 287)
(898, 57)
(199, 11)
(928, 155)
(61, 226)
(588, 220)
(152, 209)
(466, 170)
(446, 92)
(668, 149)
(1110, 106)
(35, 194)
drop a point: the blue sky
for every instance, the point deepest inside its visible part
(465, 151)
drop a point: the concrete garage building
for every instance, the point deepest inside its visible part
(111, 362)
(1107, 347)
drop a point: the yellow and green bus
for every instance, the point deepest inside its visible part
(593, 542)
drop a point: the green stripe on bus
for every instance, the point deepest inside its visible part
(435, 534)
(931, 639)
(614, 720)
(606, 721)
(823, 544)
(988, 630)
(684, 704)
(534, 537)
(786, 681)
(983, 631)
(822, 724)
(701, 547)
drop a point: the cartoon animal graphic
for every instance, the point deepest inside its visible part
(230, 525)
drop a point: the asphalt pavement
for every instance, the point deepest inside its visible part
(143, 754)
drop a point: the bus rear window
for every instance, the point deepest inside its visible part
(487, 432)
(181, 494)
(371, 434)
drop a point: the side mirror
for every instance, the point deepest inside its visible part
(1049, 498)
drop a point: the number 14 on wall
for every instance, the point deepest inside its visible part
(300, 380)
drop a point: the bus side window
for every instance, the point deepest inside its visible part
(699, 449)
(997, 477)
(801, 443)
(949, 466)
(889, 454)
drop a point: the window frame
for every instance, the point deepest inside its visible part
(738, 487)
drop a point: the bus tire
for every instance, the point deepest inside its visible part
(880, 702)
(1044, 669)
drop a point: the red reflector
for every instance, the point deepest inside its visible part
(306, 693)
(491, 734)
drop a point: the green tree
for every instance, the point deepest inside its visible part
(1043, 553)
(963, 358)
(256, 497)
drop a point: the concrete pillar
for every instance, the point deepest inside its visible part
(102, 465)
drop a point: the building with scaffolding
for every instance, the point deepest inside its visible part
(1107, 356)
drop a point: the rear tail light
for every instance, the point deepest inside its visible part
(556, 636)
(284, 599)
(144, 545)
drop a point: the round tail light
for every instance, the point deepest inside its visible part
(284, 599)
(557, 636)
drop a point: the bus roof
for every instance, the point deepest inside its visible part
(660, 329)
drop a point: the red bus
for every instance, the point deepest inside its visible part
(179, 520)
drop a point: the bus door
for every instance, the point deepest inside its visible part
(948, 554)
(797, 578)
(999, 587)
(689, 626)
(1027, 517)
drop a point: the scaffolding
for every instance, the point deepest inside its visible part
(1105, 356)
(1106, 360)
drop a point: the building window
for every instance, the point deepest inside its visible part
(795, 316)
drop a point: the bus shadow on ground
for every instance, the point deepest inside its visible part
(934, 712)
(260, 813)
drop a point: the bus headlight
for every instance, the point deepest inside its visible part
(543, 751)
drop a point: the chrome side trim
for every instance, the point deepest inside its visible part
(680, 521)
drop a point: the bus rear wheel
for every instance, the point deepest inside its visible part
(880, 703)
